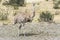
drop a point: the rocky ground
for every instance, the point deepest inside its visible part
(31, 31)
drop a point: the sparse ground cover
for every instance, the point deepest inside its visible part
(31, 31)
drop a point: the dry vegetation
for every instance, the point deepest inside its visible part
(38, 19)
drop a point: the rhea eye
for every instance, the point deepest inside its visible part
(28, 20)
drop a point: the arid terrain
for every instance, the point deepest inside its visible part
(31, 31)
(29, 20)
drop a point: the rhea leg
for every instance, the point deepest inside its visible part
(15, 21)
(21, 25)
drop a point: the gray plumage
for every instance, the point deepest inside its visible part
(22, 18)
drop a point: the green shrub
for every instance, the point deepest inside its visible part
(14, 2)
(56, 4)
(46, 16)
(3, 16)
